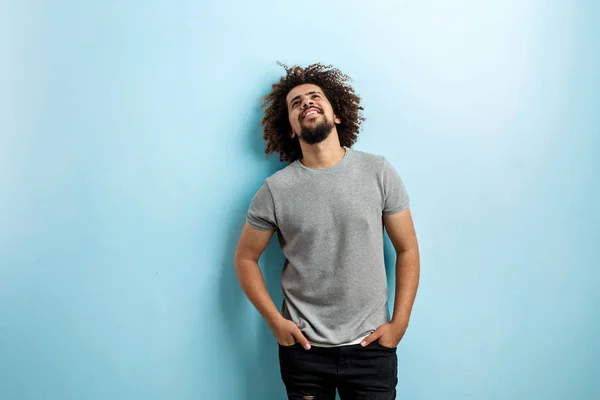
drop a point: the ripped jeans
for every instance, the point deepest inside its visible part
(358, 373)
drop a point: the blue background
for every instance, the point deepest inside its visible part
(130, 148)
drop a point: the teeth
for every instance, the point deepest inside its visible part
(310, 113)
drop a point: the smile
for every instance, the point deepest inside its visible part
(309, 112)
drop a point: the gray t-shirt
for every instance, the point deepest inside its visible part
(329, 224)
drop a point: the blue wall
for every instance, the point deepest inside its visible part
(130, 148)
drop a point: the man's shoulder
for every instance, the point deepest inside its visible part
(365, 156)
(367, 161)
(283, 176)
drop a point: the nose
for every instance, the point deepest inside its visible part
(307, 103)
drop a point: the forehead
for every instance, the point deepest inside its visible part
(302, 89)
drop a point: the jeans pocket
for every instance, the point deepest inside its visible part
(393, 349)
(290, 346)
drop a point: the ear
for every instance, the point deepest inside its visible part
(292, 133)
(337, 119)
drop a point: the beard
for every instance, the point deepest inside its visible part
(318, 132)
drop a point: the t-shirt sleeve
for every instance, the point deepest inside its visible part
(395, 195)
(261, 214)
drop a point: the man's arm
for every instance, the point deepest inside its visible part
(401, 231)
(251, 245)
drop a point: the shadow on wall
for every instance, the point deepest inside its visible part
(250, 341)
(389, 254)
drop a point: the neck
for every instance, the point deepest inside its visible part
(324, 154)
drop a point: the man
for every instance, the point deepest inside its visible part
(329, 207)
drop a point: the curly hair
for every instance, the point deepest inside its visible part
(344, 101)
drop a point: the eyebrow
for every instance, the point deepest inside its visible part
(297, 97)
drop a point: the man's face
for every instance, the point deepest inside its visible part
(310, 113)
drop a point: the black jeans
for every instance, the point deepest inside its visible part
(358, 373)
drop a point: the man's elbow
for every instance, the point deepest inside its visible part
(244, 261)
